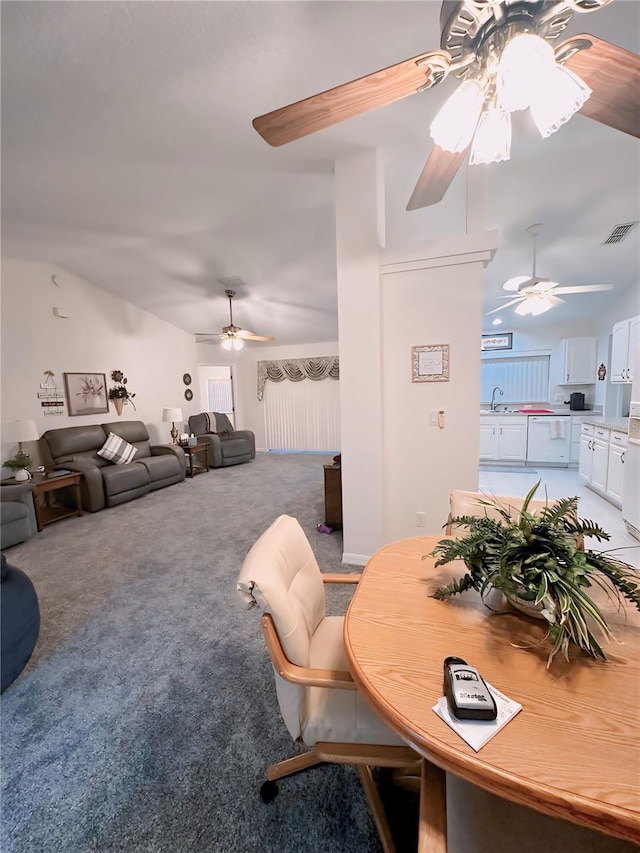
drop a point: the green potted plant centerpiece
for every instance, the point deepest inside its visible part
(19, 464)
(539, 561)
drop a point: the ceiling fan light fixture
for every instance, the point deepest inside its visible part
(534, 305)
(544, 286)
(562, 94)
(515, 282)
(526, 60)
(453, 127)
(237, 343)
(492, 140)
(227, 343)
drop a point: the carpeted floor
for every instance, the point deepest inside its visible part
(147, 714)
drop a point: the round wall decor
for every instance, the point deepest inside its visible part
(187, 379)
(188, 394)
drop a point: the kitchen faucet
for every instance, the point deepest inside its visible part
(493, 397)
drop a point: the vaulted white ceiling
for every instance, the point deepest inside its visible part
(128, 158)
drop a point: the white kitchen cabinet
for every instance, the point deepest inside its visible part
(503, 439)
(600, 468)
(601, 464)
(625, 336)
(576, 433)
(578, 361)
(615, 473)
(594, 456)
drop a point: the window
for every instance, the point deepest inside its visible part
(523, 379)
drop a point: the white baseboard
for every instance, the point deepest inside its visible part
(355, 559)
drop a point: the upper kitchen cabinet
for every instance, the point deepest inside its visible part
(578, 361)
(625, 336)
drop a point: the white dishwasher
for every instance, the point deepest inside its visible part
(549, 440)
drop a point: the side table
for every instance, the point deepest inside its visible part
(43, 487)
(196, 467)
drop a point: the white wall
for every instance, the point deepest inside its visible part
(103, 333)
(431, 296)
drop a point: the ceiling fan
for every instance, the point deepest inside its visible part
(536, 295)
(501, 51)
(232, 337)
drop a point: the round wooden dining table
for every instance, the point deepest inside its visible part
(573, 751)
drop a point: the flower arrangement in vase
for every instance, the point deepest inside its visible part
(19, 464)
(119, 394)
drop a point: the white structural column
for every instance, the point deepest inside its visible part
(432, 296)
(359, 237)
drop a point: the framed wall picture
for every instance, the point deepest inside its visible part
(491, 342)
(430, 363)
(86, 393)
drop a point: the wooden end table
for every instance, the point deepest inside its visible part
(196, 467)
(43, 487)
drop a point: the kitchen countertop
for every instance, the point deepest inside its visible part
(619, 425)
(551, 414)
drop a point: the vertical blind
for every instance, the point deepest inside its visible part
(220, 396)
(523, 379)
(302, 415)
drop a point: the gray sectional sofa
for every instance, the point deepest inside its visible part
(105, 483)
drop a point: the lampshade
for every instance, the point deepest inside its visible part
(492, 139)
(20, 431)
(172, 415)
(525, 64)
(534, 305)
(454, 125)
(560, 95)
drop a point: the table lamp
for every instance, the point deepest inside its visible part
(20, 431)
(173, 415)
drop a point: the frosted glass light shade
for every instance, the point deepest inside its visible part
(526, 60)
(534, 305)
(492, 139)
(561, 94)
(227, 343)
(238, 343)
(515, 282)
(453, 127)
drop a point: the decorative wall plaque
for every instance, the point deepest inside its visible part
(430, 363)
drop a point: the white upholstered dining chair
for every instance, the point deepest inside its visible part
(469, 503)
(320, 703)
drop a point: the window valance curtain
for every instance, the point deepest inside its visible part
(297, 369)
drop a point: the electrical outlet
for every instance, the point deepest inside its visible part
(419, 519)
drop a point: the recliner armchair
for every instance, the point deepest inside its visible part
(227, 446)
(322, 706)
(17, 515)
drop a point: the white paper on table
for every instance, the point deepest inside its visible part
(477, 732)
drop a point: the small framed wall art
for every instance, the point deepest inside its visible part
(491, 342)
(86, 393)
(430, 363)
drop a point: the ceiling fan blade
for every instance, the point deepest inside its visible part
(585, 288)
(555, 301)
(613, 74)
(437, 173)
(251, 336)
(507, 304)
(205, 336)
(352, 99)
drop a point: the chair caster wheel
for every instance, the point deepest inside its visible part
(268, 791)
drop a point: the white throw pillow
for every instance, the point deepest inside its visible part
(117, 450)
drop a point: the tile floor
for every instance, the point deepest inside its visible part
(566, 482)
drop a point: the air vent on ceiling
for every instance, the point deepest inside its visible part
(619, 233)
(231, 282)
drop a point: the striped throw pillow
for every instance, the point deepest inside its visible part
(117, 450)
